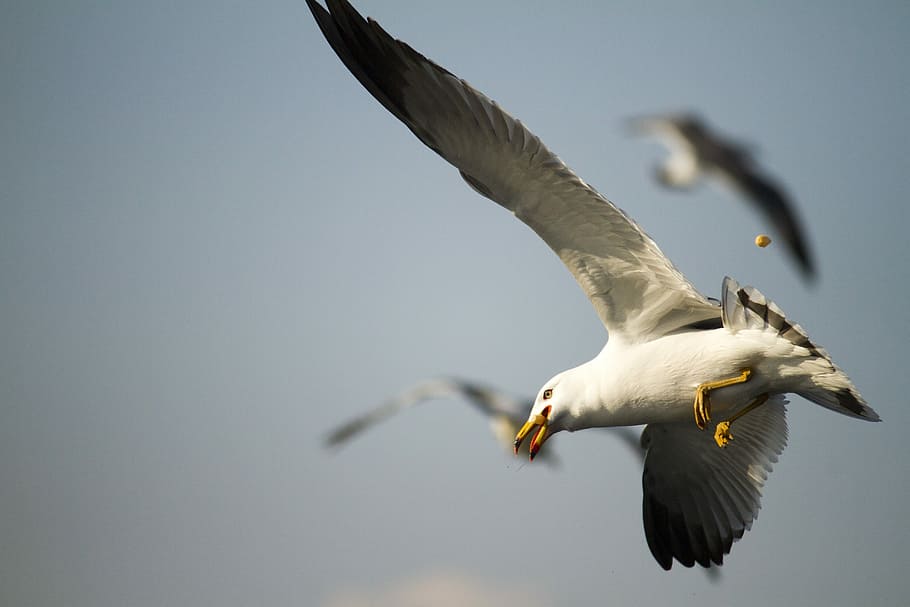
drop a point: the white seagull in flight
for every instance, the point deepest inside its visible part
(672, 353)
(696, 151)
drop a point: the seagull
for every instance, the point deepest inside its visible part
(696, 151)
(506, 413)
(672, 353)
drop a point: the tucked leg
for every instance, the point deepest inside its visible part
(702, 405)
(722, 434)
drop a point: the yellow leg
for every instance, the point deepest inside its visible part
(722, 434)
(702, 405)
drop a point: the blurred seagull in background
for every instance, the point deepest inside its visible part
(506, 413)
(698, 152)
(672, 353)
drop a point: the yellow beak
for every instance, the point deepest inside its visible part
(540, 422)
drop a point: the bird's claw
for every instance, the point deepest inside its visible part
(722, 434)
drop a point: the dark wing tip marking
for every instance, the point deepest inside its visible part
(378, 60)
(340, 435)
(849, 401)
(669, 537)
(656, 518)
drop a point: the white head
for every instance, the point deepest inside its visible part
(553, 409)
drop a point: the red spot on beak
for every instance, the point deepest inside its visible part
(541, 434)
(534, 447)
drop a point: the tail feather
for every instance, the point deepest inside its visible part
(844, 399)
(747, 308)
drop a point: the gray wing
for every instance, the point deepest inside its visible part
(491, 402)
(635, 289)
(698, 498)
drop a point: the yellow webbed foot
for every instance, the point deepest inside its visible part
(722, 434)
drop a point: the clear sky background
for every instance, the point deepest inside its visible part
(215, 245)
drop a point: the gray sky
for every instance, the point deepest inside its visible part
(215, 245)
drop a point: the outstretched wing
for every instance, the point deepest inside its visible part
(698, 498)
(634, 288)
(491, 402)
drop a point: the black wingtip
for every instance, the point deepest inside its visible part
(803, 258)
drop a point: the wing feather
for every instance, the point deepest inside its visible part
(636, 291)
(699, 499)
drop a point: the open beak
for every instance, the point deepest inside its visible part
(540, 422)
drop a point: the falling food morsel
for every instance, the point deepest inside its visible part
(762, 240)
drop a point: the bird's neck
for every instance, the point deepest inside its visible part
(601, 399)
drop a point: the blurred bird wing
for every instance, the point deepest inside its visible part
(490, 402)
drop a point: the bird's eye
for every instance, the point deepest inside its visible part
(548, 394)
